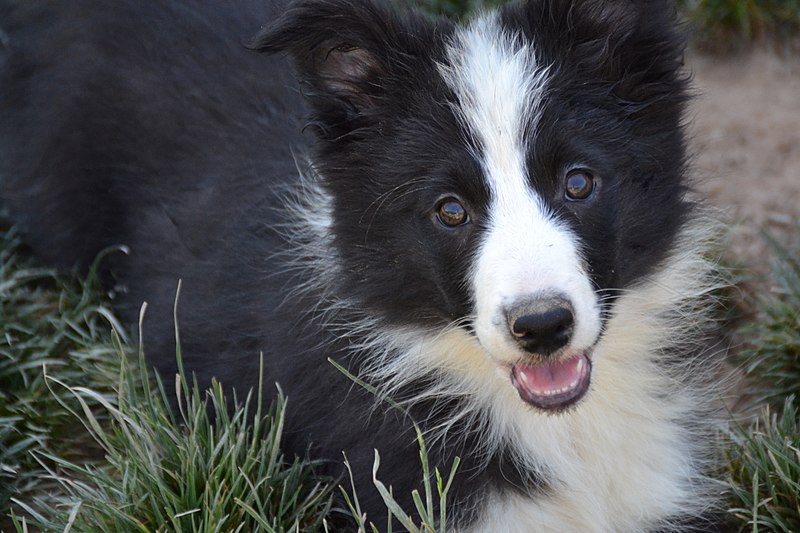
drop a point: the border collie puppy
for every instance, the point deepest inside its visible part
(489, 222)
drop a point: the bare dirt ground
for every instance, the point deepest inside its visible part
(746, 137)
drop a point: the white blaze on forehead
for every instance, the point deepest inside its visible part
(499, 86)
(526, 253)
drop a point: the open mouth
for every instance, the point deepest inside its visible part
(553, 385)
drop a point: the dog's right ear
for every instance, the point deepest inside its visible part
(336, 47)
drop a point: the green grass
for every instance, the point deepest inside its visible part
(87, 441)
(431, 513)
(764, 456)
(726, 24)
(771, 358)
(214, 469)
(45, 321)
(764, 472)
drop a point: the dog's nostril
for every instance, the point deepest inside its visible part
(543, 329)
(550, 322)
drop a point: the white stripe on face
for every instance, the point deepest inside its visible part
(526, 253)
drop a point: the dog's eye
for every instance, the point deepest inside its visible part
(580, 184)
(451, 213)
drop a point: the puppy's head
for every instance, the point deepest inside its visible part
(504, 177)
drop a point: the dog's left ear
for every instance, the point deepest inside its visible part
(335, 46)
(635, 45)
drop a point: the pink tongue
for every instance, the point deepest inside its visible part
(551, 377)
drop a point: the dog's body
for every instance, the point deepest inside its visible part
(489, 224)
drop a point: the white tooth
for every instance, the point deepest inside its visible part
(580, 365)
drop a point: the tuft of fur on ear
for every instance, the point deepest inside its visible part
(635, 45)
(614, 18)
(335, 46)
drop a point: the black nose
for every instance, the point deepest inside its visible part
(542, 326)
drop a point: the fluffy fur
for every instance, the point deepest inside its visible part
(304, 219)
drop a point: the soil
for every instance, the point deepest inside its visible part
(745, 125)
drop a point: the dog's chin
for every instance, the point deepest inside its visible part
(553, 386)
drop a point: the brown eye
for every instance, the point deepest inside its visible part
(451, 213)
(580, 185)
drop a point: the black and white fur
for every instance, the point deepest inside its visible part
(302, 218)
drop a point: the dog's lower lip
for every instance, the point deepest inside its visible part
(565, 382)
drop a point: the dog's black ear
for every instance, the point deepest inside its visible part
(613, 19)
(635, 45)
(336, 46)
